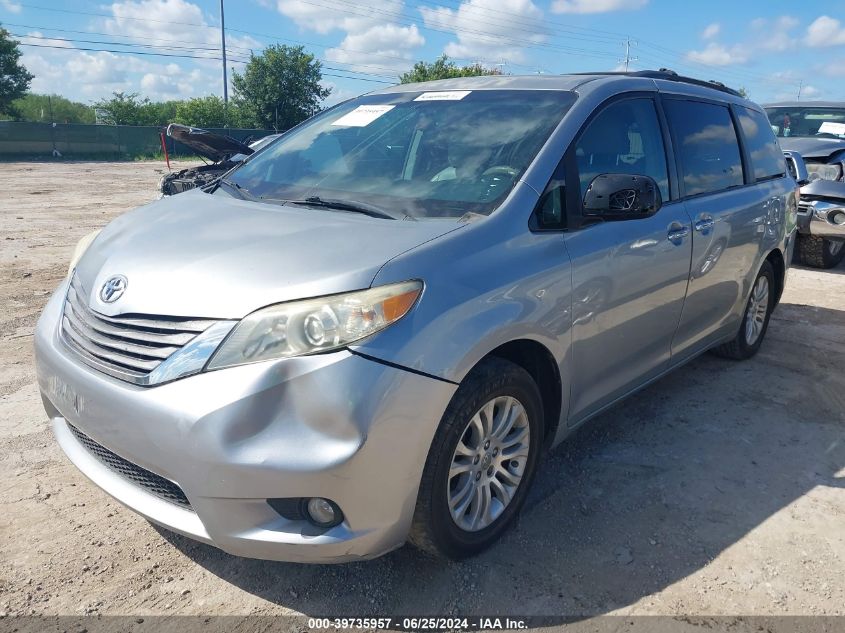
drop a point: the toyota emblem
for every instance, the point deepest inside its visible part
(113, 289)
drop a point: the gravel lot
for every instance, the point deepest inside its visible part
(719, 490)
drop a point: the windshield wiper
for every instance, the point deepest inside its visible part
(239, 191)
(350, 205)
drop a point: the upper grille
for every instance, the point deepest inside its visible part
(149, 481)
(125, 347)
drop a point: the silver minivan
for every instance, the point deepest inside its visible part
(373, 330)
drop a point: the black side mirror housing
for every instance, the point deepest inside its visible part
(621, 197)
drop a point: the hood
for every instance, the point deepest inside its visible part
(810, 147)
(202, 255)
(210, 145)
(824, 189)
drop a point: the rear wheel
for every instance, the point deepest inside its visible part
(481, 462)
(819, 252)
(755, 322)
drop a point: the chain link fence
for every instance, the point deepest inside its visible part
(20, 140)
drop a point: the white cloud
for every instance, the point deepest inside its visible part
(173, 82)
(810, 92)
(11, 6)
(775, 35)
(766, 35)
(715, 54)
(595, 6)
(173, 20)
(387, 48)
(481, 33)
(825, 31)
(373, 41)
(711, 31)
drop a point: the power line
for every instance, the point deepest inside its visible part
(508, 18)
(186, 56)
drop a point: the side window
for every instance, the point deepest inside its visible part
(625, 138)
(707, 144)
(766, 157)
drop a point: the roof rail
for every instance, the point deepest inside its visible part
(671, 75)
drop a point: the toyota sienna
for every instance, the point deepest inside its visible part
(371, 331)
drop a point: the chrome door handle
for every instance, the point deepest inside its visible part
(678, 233)
(705, 223)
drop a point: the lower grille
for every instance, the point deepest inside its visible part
(152, 483)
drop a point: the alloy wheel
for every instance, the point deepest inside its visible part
(488, 463)
(758, 308)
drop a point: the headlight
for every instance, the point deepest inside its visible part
(81, 246)
(824, 172)
(315, 325)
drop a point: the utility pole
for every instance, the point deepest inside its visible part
(800, 86)
(628, 59)
(223, 46)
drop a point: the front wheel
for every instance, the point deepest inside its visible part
(819, 252)
(481, 462)
(755, 322)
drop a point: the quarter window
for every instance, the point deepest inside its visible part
(766, 157)
(707, 143)
(624, 138)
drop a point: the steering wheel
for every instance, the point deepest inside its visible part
(497, 170)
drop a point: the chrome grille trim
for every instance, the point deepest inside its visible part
(128, 348)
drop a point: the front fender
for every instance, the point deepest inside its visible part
(484, 286)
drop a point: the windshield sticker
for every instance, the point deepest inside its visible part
(444, 95)
(363, 115)
(831, 127)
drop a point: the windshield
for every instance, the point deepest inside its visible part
(811, 121)
(424, 154)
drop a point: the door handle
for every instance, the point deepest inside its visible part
(705, 223)
(677, 232)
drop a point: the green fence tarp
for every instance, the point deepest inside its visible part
(20, 140)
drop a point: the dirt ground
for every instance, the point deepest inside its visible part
(718, 490)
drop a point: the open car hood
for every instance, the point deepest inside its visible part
(210, 145)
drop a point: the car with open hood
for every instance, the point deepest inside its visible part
(223, 151)
(816, 131)
(373, 330)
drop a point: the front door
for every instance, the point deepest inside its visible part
(629, 277)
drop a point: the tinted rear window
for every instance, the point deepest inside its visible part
(766, 156)
(707, 144)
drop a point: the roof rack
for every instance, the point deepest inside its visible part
(671, 75)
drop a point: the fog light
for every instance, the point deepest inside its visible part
(322, 512)
(838, 218)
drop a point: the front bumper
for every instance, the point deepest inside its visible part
(817, 217)
(334, 425)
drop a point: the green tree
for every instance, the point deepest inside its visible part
(444, 68)
(47, 108)
(207, 111)
(157, 112)
(14, 77)
(279, 88)
(122, 109)
(743, 92)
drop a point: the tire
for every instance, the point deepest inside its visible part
(750, 336)
(819, 252)
(434, 529)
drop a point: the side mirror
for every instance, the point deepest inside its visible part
(622, 197)
(796, 167)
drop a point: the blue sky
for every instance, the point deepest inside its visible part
(767, 47)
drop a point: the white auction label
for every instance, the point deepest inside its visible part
(443, 95)
(363, 115)
(831, 127)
